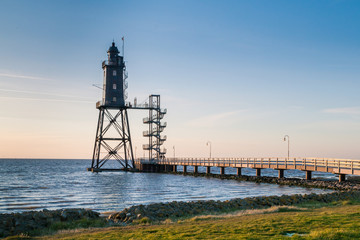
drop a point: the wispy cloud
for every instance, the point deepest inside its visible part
(345, 110)
(11, 75)
(47, 99)
(41, 93)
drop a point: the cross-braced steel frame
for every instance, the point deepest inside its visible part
(155, 129)
(113, 140)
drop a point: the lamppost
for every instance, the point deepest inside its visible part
(209, 144)
(288, 139)
(174, 151)
(135, 151)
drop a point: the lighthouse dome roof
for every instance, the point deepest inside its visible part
(113, 48)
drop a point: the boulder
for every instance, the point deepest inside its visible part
(25, 222)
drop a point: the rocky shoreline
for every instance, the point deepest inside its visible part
(28, 222)
(161, 211)
(316, 183)
(158, 212)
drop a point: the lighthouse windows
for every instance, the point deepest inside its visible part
(114, 86)
(114, 72)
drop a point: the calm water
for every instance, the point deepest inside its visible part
(30, 184)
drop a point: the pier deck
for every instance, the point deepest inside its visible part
(342, 167)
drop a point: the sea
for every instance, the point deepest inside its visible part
(36, 184)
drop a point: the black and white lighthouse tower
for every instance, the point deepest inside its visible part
(114, 69)
(113, 140)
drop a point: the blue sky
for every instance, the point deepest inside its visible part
(241, 74)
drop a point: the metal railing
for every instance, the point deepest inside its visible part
(315, 164)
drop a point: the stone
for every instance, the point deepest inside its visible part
(22, 223)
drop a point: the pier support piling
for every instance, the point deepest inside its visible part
(171, 168)
(222, 170)
(342, 177)
(258, 172)
(175, 168)
(184, 169)
(208, 170)
(238, 171)
(195, 169)
(308, 175)
(281, 173)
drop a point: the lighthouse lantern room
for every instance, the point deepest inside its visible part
(113, 87)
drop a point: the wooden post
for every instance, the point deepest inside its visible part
(175, 168)
(195, 169)
(184, 168)
(308, 175)
(238, 171)
(258, 172)
(208, 170)
(222, 170)
(342, 177)
(281, 173)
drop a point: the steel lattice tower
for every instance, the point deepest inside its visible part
(113, 139)
(156, 127)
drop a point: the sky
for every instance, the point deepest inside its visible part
(240, 74)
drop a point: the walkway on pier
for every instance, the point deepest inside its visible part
(342, 167)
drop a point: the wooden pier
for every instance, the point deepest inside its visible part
(342, 167)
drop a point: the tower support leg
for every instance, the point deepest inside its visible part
(97, 146)
(112, 141)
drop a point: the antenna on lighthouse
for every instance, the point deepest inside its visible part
(123, 43)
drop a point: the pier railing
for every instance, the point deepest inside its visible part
(332, 165)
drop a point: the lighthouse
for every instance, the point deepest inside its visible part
(113, 139)
(114, 82)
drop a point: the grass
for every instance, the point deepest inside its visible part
(70, 226)
(339, 220)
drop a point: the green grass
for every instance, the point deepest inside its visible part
(63, 226)
(339, 220)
